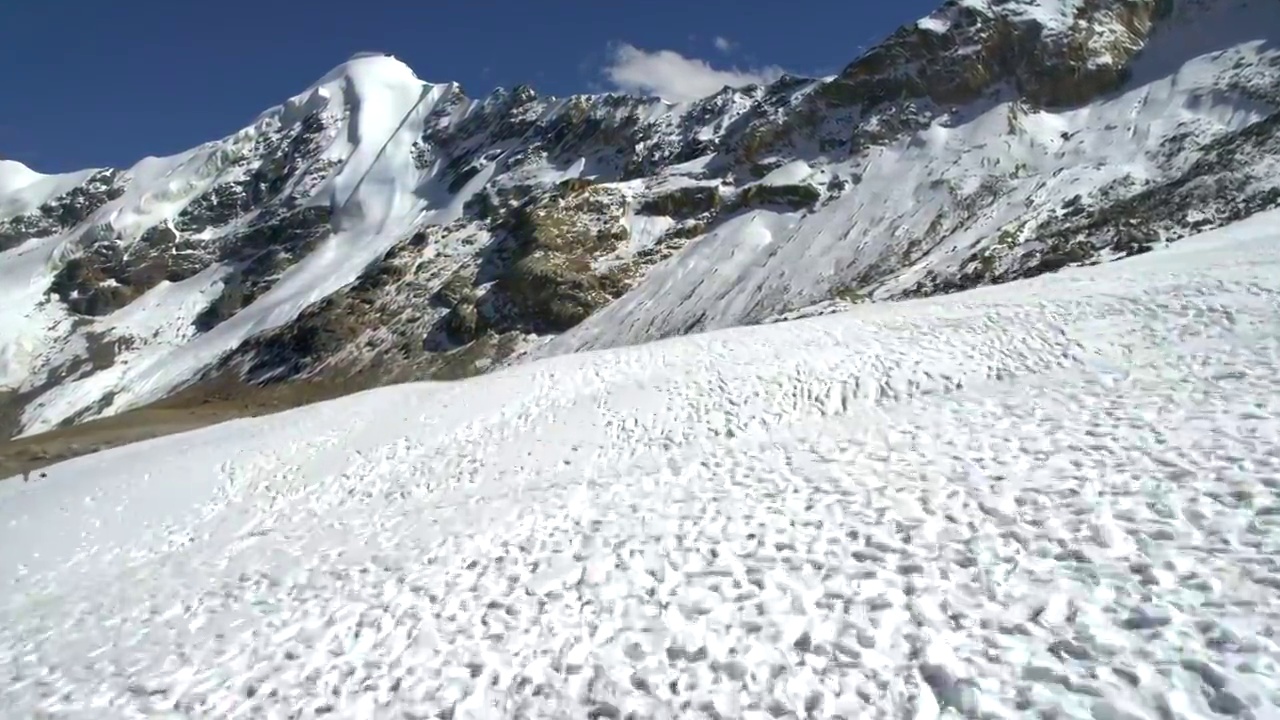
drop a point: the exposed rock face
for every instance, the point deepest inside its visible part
(684, 203)
(64, 212)
(1233, 177)
(547, 282)
(965, 49)
(411, 315)
(946, 157)
(275, 174)
(257, 257)
(793, 197)
(110, 272)
(1230, 181)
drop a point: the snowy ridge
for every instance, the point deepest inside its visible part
(23, 189)
(1055, 496)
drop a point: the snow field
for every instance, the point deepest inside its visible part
(1057, 496)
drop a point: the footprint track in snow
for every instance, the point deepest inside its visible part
(1060, 505)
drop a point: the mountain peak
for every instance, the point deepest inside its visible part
(1054, 15)
(382, 227)
(368, 67)
(1051, 52)
(14, 175)
(14, 178)
(362, 75)
(23, 189)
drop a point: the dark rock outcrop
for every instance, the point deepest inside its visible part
(64, 212)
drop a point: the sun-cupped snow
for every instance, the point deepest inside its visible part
(1051, 497)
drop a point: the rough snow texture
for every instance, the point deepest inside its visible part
(380, 225)
(1056, 497)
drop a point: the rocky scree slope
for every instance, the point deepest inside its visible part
(376, 228)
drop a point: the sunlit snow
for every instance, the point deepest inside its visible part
(1056, 497)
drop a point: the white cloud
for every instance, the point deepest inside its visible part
(674, 77)
(723, 44)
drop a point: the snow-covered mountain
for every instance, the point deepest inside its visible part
(1056, 497)
(377, 228)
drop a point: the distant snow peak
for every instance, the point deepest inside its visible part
(14, 175)
(365, 69)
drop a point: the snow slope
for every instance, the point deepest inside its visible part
(1056, 496)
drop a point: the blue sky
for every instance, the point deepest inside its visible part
(89, 83)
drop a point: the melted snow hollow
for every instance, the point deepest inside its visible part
(1056, 496)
